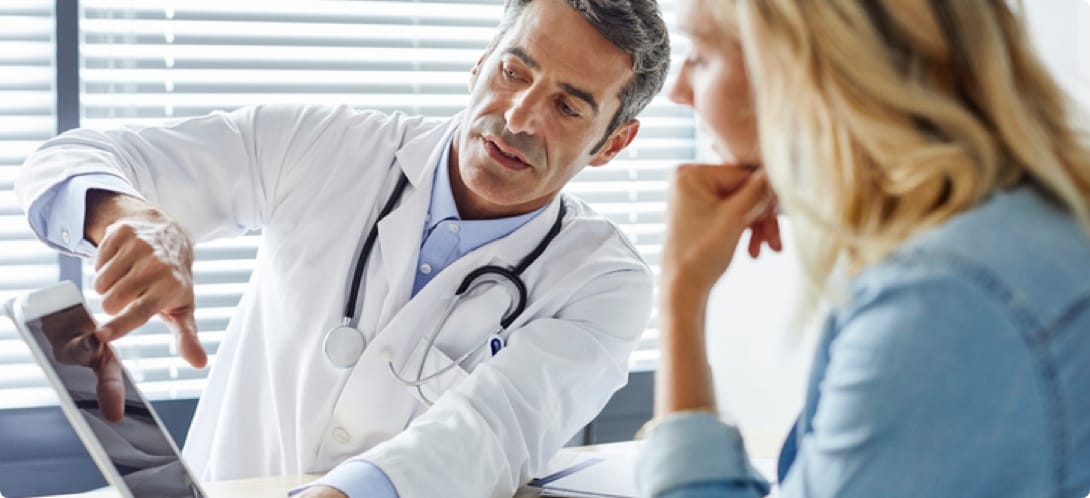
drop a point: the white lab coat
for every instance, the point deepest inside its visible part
(313, 179)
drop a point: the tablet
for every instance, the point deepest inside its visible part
(133, 450)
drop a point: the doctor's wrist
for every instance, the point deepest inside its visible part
(104, 208)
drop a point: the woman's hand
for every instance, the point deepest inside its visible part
(710, 207)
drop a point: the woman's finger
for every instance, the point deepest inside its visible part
(775, 240)
(750, 200)
(755, 240)
(714, 179)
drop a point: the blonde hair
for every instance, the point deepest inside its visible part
(879, 119)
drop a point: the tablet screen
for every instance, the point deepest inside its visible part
(136, 444)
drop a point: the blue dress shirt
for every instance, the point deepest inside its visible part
(447, 237)
(957, 367)
(59, 214)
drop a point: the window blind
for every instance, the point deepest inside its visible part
(26, 119)
(152, 60)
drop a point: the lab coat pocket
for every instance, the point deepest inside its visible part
(468, 337)
(429, 372)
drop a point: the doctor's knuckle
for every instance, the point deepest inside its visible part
(110, 305)
(120, 231)
(99, 284)
(140, 249)
(156, 270)
(140, 309)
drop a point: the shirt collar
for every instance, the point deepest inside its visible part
(442, 197)
(474, 233)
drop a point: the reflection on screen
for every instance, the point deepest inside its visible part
(136, 444)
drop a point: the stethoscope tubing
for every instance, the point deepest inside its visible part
(511, 275)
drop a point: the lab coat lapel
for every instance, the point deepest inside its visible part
(399, 234)
(506, 252)
(510, 250)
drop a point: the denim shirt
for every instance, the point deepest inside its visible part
(957, 367)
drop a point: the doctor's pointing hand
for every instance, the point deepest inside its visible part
(144, 267)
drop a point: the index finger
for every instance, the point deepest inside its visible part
(115, 238)
(111, 387)
(722, 179)
(135, 314)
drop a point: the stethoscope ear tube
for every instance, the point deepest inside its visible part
(365, 252)
(520, 287)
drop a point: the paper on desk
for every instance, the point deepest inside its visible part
(582, 474)
(606, 474)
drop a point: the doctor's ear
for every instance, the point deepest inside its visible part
(617, 141)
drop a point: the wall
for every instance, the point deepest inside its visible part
(1061, 30)
(759, 359)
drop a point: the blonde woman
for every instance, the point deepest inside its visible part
(940, 197)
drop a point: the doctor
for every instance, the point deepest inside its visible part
(341, 354)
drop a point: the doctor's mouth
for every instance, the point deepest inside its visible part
(505, 156)
(513, 151)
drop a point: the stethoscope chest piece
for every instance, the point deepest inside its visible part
(344, 345)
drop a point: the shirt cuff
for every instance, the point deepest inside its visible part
(690, 448)
(359, 479)
(62, 210)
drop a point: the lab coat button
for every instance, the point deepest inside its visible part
(454, 227)
(425, 269)
(341, 435)
(65, 236)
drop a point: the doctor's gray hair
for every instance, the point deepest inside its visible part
(634, 26)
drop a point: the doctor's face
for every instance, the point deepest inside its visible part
(540, 103)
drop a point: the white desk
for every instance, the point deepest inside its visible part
(263, 487)
(271, 487)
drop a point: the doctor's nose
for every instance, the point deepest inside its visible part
(523, 115)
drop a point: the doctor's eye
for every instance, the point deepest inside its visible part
(509, 73)
(567, 109)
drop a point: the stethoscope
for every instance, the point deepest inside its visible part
(344, 344)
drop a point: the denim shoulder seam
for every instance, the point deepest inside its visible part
(1080, 305)
(1034, 333)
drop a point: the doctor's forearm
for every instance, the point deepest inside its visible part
(684, 380)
